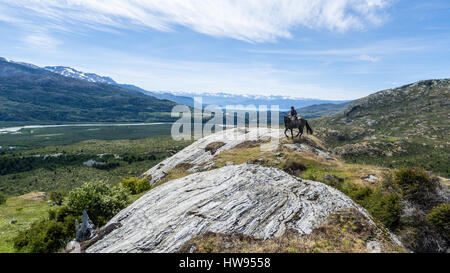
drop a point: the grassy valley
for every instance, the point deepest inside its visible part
(49, 159)
(55, 160)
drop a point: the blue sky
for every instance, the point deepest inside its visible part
(328, 49)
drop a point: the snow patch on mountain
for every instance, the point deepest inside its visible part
(73, 73)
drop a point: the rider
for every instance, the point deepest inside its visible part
(293, 113)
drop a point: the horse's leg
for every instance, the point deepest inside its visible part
(292, 133)
(300, 131)
(285, 132)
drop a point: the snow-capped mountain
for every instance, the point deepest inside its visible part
(223, 99)
(73, 73)
(21, 63)
(187, 98)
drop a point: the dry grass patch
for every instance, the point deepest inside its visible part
(181, 170)
(305, 164)
(37, 196)
(247, 152)
(213, 147)
(306, 139)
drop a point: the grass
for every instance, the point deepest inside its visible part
(25, 212)
(181, 170)
(316, 167)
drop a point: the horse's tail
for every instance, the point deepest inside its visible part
(308, 129)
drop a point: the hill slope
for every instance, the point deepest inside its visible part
(32, 95)
(397, 127)
(209, 189)
(321, 110)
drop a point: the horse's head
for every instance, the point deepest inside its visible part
(286, 120)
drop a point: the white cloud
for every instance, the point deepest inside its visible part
(198, 76)
(368, 58)
(248, 20)
(40, 40)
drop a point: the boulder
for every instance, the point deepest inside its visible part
(202, 151)
(244, 199)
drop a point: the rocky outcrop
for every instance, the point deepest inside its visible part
(244, 199)
(201, 152)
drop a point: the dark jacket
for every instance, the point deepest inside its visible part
(293, 112)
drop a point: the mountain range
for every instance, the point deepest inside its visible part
(30, 94)
(65, 94)
(187, 98)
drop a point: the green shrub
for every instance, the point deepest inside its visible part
(100, 200)
(60, 213)
(56, 197)
(45, 236)
(359, 194)
(385, 208)
(135, 185)
(439, 217)
(294, 167)
(2, 198)
(416, 185)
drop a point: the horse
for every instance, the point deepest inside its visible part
(296, 124)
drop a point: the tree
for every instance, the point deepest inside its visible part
(100, 201)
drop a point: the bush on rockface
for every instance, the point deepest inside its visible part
(135, 185)
(439, 217)
(294, 167)
(358, 193)
(56, 197)
(46, 236)
(100, 201)
(416, 185)
(421, 227)
(385, 207)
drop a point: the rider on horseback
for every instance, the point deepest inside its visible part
(293, 114)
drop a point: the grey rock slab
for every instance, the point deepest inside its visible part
(297, 147)
(249, 199)
(196, 155)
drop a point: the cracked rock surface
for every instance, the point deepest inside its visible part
(249, 199)
(196, 155)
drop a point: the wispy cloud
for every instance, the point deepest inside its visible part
(41, 40)
(368, 53)
(368, 58)
(248, 20)
(200, 76)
